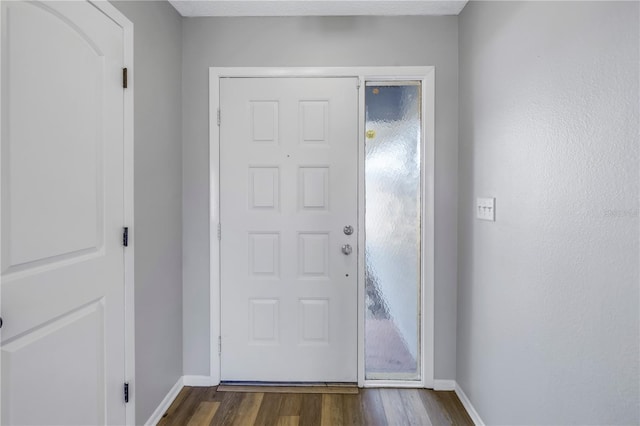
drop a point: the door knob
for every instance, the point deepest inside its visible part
(346, 249)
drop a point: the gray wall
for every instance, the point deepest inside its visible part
(548, 320)
(158, 205)
(337, 41)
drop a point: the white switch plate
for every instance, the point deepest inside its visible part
(486, 209)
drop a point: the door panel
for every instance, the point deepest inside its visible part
(42, 206)
(62, 215)
(28, 378)
(288, 187)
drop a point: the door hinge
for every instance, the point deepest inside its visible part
(219, 232)
(126, 392)
(219, 345)
(218, 116)
(125, 236)
(359, 84)
(125, 79)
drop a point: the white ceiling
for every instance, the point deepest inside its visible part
(316, 7)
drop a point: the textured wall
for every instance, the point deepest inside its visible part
(548, 322)
(158, 205)
(336, 41)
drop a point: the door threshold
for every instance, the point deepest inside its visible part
(289, 387)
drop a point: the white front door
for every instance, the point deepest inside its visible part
(288, 179)
(62, 215)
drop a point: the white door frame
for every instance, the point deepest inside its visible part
(424, 74)
(129, 277)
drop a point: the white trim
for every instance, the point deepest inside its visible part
(214, 219)
(361, 234)
(444, 385)
(466, 402)
(424, 74)
(166, 402)
(370, 73)
(2, 42)
(129, 258)
(428, 227)
(199, 381)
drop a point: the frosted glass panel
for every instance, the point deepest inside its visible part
(392, 228)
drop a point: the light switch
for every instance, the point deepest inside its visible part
(486, 209)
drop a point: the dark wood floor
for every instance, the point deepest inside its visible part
(207, 406)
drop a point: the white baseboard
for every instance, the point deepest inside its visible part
(468, 406)
(199, 381)
(173, 393)
(166, 403)
(444, 385)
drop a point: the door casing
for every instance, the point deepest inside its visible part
(129, 332)
(426, 75)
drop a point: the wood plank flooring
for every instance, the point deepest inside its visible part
(196, 406)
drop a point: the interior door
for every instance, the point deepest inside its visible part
(62, 215)
(288, 265)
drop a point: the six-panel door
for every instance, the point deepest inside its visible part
(288, 188)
